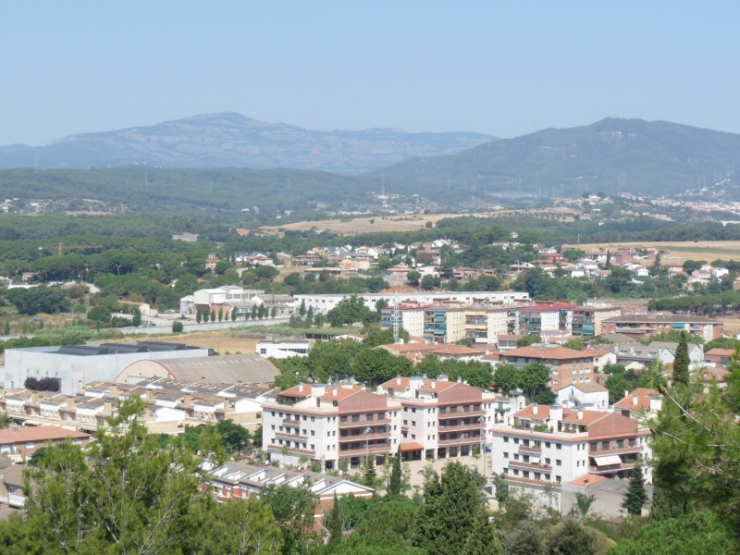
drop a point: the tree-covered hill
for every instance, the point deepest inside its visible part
(612, 155)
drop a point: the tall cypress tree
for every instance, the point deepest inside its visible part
(395, 482)
(636, 495)
(334, 522)
(681, 361)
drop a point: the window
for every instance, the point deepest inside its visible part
(594, 446)
(604, 445)
(516, 456)
(620, 443)
(516, 440)
(506, 440)
(547, 444)
(558, 446)
(557, 478)
(547, 461)
(558, 462)
(506, 455)
(632, 442)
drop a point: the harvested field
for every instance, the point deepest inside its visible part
(222, 341)
(676, 252)
(354, 226)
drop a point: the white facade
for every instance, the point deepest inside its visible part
(324, 303)
(412, 320)
(584, 395)
(75, 366)
(282, 349)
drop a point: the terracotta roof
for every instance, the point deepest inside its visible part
(38, 433)
(294, 391)
(438, 386)
(588, 480)
(662, 318)
(457, 350)
(341, 392)
(543, 412)
(643, 399)
(719, 373)
(720, 352)
(411, 446)
(587, 416)
(545, 307)
(546, 353)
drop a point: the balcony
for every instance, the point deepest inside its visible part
(611, 468)
(377, 448)
(530, 466)
(289, 422)
(530, 450)
(634, 450)
(292, 437)
(471, 440)
(364, 423)
(363, 437)
(476, 425)
(519, 480)
(467, 413)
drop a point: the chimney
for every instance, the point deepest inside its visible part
(187, 399)
(150, 395)
(535, 408)
(202, 379)
(656, 403)
(626, 393)
(239, 383)
(107, 407)
(459, 379)
(433, 384)
(300, 387)
(556, 413)
(398, 380)
(580, 413)
(80, 388)
(634, 398)
(334, 390)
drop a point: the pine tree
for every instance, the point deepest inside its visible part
(220, 315)
(482, 539)
(395, 484)
(233, 314)
(302, 308)
(369, 474)
(681, 361)
(198, 316)
(213, 315)
(636, 495)
(309, 315)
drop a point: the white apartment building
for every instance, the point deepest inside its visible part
(442, 419)
(551, 445)
(324, 303)
(326, 423)
(412, 319)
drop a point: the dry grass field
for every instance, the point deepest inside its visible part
(222, 341)
(676, 252)
(354, 226)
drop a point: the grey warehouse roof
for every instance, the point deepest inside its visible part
(248, 369)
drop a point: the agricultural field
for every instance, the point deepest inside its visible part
(676, 252)
(222, 341)
(355, 226)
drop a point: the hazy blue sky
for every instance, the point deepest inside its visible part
(500, 68)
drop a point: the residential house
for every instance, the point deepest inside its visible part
(568, 366)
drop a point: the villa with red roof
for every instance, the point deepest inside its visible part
(568, 365)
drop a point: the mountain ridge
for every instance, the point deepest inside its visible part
(631, 155)
(230, 139)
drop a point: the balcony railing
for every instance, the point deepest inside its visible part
(461, 440)
(466, 413)
(364, 437)
(284, 435)
(290, 450)
(364, 423)
(530, 450)
(377, 448)
(476, 425)
(608, 469)
(530, 466)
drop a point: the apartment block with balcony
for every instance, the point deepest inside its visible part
(568, 366)
(412, 318)
(326, 423)
(550, 446)
(442, 419)
(588, 320)
(444, 324)
(642, 325)
(552, 320)
(484, 325)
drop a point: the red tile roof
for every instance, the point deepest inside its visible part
(547, 353)
(38, 433)
(643, 399)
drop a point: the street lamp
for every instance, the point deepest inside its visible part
(482, 420)
(367, 431)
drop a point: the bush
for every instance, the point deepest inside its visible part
(176, 326)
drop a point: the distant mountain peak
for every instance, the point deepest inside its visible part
(230, 139)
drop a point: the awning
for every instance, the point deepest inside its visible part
(608, 460)
(412, 446)
(30, 422)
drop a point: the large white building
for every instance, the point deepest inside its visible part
(551, 445)
(322, 304)
(76, 365)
